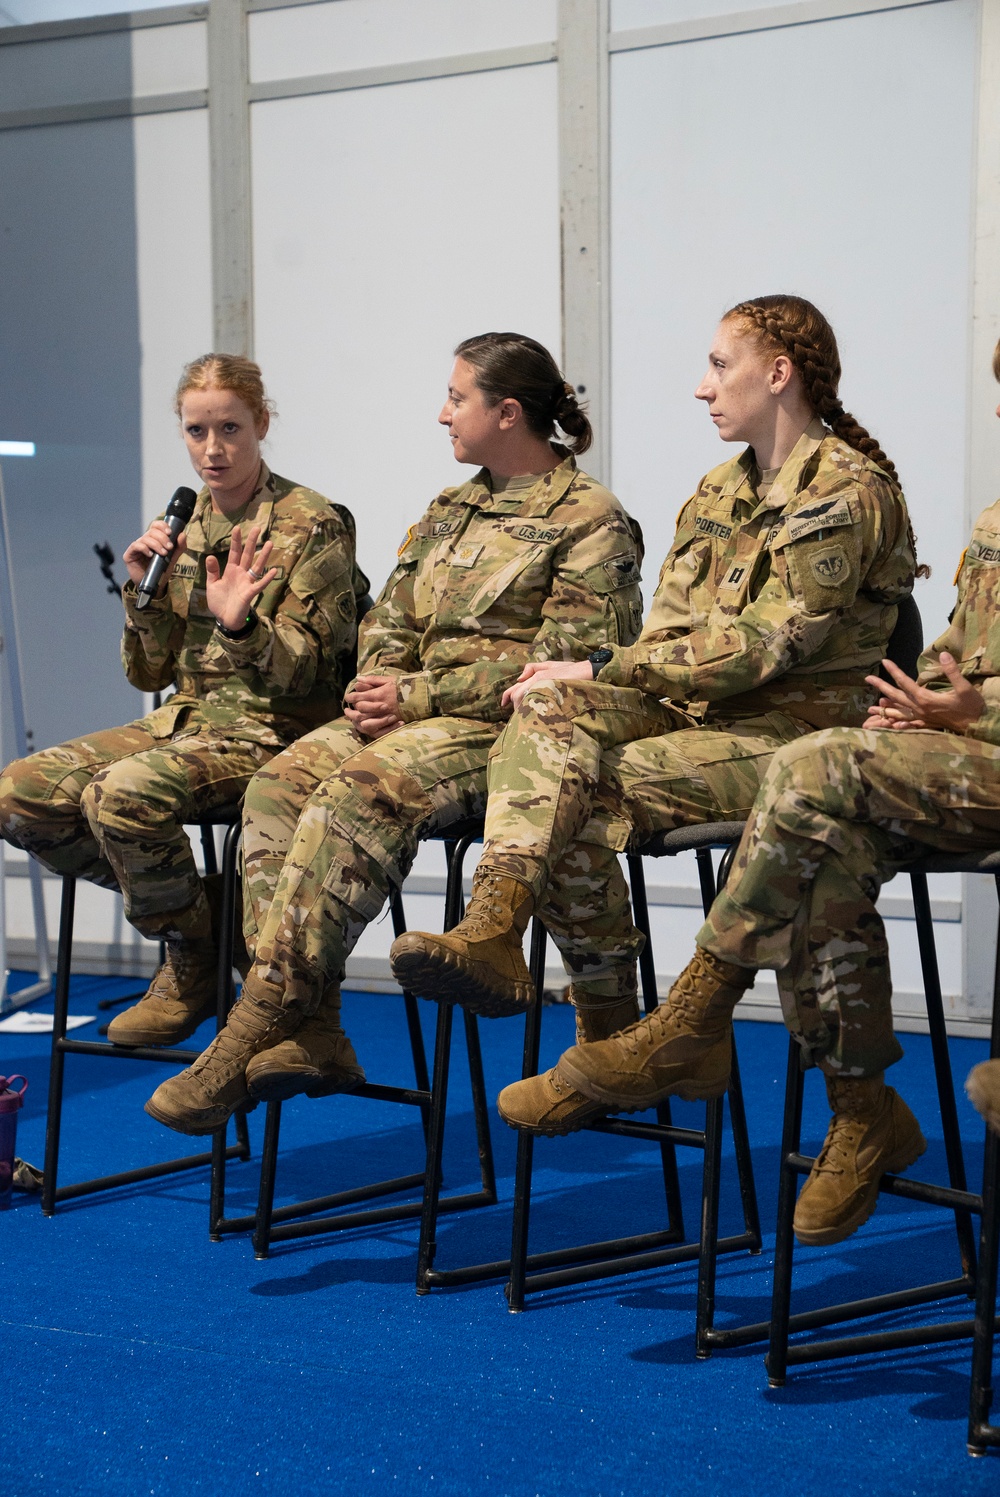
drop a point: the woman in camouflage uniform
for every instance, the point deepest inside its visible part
(531, 560)
(778, 593)
(256, 643)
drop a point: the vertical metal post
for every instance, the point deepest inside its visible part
(229, 148)
(979, 912)
(583, 191)
(10, 645)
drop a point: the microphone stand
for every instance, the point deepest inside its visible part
(10, 651)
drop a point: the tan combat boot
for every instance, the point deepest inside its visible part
(318, 1059)
(204, 1097)
(549, 1104)
(480, 962)
(872, 1133)
(682, 1049)
(180, 997)
(983, 1087)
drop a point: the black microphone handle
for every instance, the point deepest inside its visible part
(179, 512)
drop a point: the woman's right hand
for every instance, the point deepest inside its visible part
(157, 541)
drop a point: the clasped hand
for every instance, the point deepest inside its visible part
(372, 706)
(906, 705)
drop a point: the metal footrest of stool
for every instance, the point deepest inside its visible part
(52, 1193)
(302, 1219)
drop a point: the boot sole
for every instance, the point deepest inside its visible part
(551, 1130)
(283, 1085)
(195, 1127)
(441, 980)
(826, 1236)
(687, 1091)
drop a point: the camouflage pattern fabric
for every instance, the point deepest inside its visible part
(838, 814)
(750, 619)
(289, 674)
(780, 603)
(111, 806)
(485, 583)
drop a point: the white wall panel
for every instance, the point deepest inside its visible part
(631, 15)
(388, 224)
(30, 12)
(174, 280)
(370, 33)
(169, 59)
(837, 186)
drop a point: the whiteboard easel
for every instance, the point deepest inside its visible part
(10, 660)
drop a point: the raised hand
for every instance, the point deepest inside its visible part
(372, 706)
(157, 541)
(907, 705)
(231, 593)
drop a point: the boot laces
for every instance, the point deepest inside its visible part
(652, 1027)
(841, 1144)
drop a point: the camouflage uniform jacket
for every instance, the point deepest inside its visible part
(781, 603)
(289, 674)
(973, 633)
(487, 582)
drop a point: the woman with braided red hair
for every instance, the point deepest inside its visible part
(778, 596)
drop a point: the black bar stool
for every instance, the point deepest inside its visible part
(52, 1192)
(954, 1196)
(582, 1264)
(270, 1225)
(981, 1433)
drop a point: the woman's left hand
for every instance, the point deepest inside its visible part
(909, 706)
(546, 670)
(230, 594)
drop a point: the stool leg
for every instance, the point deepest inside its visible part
(224, 998)
(709, 1240)
(480, 1108)
(776, 1361)
(650, 999)
(268, 1174)
(942, 1066)
(57, 1064)
(514, 1289)
(427, 1246)
(744, 1159)
(980, 1388)
(412, 1011)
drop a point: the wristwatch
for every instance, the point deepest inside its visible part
(243, 632)
(598, 659)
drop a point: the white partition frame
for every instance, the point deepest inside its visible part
(582, 45)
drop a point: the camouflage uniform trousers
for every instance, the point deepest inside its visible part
(585, 771)
(111, 807)
(839, 813)
(331, 826)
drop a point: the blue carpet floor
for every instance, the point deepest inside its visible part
(138, 1358)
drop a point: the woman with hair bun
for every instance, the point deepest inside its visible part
(254, 625)
(778, 595)
(529, 561)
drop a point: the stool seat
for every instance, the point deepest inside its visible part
(691, 838)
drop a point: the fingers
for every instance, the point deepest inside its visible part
(212, 572)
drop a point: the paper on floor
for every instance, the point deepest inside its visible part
(25, 1023)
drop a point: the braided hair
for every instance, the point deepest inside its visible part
(793, 326)
(511, 366)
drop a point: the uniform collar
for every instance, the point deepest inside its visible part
(788, 482)
(542, 496)
(259, 512)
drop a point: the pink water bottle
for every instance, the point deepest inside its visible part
(10, 1105)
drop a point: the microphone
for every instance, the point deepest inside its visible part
(179, 511)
